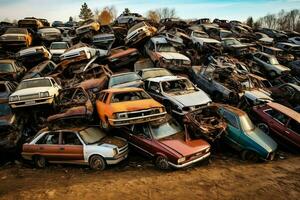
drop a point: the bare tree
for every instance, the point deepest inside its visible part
(153, 15)
(166, 13)
(250, 22)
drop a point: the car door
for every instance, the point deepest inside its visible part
(71, 147)
(154, 90)
(233, 129)
(141, 139)
(101, 104)
(293, 132)
(49, 146)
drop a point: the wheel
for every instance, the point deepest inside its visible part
(161, 163)
(40, 162)
(273, 74)
(264, 127)
(96, 162)
(249, 155)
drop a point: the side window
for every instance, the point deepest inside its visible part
(277, 116)
(101, 95)
(105, 97)
(70, 138)
(49, 138)
(151, 46)
(47, 69)
(52, 81)
(294, 126)
(141, 130)
(154, 87)
(231, 119)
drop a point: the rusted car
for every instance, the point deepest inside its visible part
(33, 54)
(122, 56)
(235, 47)
(165, 55)
(169, 23)
(167, 143)
(72, 104)
(16, 37)
(153, 73)
(281, 122)
(11, 70)
(49, 34)
(32, 23)
(206, 123)
(43, 69)
(81, 145)
(139, 32)
(6, 89)
(126, 106)
(88, 26)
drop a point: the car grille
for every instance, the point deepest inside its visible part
(177, 62)
(142, 113)
(29, 96)
(70, 55)
(10, 37)
(123, 149)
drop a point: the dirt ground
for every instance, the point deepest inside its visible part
(222, 178)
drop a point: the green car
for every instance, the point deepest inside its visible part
(243, 136)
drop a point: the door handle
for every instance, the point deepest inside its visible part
(62, 148)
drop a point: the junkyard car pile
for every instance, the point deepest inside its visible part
(88, 93)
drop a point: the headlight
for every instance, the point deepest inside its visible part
(207, 150)
(115, 151)
(122, 115)
(180, 160)
(166, 60)
(13, 98)
(44, 94)
(162, 109)
(186, 62)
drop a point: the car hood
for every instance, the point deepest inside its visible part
(137, 83)
(239, 46)
(128, 106)
(185, 148)
(191, 99)
(208, 40)
(268, 40)
(173, 56)
(257, 95)
(281, 67)
(57, 51)
(31, 90)
(262, 139)
(13, 34)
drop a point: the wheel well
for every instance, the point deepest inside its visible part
(96, 155)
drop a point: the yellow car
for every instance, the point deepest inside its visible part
(87, 26)
(16, 37)
(125, 106)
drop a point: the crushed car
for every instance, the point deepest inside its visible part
(129, 79)
(139, 32)
(11, 70)
(33, 55)
(16, 37)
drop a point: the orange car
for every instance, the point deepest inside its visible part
(124, 106)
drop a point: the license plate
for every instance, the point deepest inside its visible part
(30, 102)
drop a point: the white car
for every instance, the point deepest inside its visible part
(57, 49)
(83, 52)
(35, 53)
(49, 34)
(35, 91)
(200, 39)
(177, 94)
(86, 145)
(129, 18)
(294, 40)
(138, 32)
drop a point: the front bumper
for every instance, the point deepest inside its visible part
(137, 120)
(118, 158)
(32, 102)
(178, 166)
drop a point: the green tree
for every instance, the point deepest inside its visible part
(85, 12)
(250, 22)
(126, 11)
(70, 19)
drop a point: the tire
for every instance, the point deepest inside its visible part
(96, 162)
(264, 127)
(161, 163)
(40, 162)
(250, 156)
(273, 74)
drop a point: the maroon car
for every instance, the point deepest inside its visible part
(122, 56)
(166, 142)
(281, 122)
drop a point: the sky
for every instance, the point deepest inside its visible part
(186, 9)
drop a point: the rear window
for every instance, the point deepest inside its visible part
(6, 68)
(125, 78)
(129, 96)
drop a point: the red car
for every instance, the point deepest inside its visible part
(281, 122)
(166, 143)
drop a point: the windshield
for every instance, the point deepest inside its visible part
(91, 135)
(16, 31)
(274, 61)
(229, 42)
(165, 48)
(166, 129)
(200, 35)
(4, 109)
(156, 73)
(34, 83)
(124, 78)
(246, 123)
(177, 85)
(129, 96)
(6, 68)
(224, 34)
(59, 46)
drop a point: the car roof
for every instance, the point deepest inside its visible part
(7, 60)
(165, 78)
(121, 74)
(152, 69)
(160, 40)
(36, 78)
(289, 44)
(297, 87)
(235, 110)
(40, 66)
(287, 111)
(127, 89)
(263, 53)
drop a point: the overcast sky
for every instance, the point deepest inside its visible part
(225, 9)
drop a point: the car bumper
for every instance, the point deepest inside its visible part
(117, 159)
(33, 102)
(136, 120)
(178, 166)
(14, 43)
